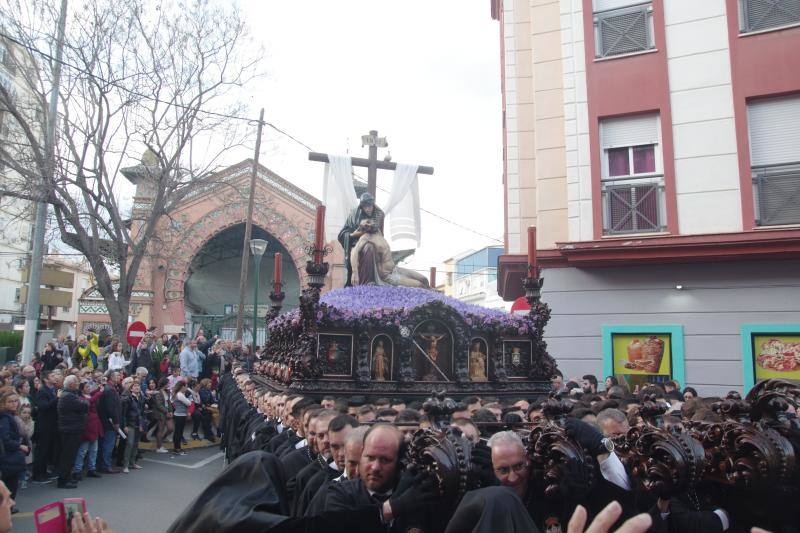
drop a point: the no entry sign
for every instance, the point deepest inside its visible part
(135, 333)
(520, 306)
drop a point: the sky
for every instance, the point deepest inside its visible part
(424, 73)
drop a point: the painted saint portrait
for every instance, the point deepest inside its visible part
(336, 354)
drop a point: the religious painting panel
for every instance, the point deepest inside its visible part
(517, 358)
(381, 358)
(640, 355)
(335, 352)
(433, 351)
(770, 351)
(478, 359)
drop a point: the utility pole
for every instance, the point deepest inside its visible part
(248, 228)
(40, 224)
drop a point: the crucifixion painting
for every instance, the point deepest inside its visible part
(433, 352)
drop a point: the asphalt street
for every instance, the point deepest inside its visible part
(144, 501)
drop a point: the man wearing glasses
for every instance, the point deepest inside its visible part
(510, 462)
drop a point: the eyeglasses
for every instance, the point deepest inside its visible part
(506, 470)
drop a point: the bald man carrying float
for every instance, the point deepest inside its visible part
(399, 496)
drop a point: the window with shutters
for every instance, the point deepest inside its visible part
(632, 180)
(774, 129)
(622, 27)
(759, 15)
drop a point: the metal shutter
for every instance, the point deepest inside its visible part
(774, 126)
(629, 131)
(605, 5)
(764, 14)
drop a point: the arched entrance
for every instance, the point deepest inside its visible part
(202, 237)
(211, 289)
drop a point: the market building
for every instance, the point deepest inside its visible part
(656, 147)
(190, 276)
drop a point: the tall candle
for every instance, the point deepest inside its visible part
(319, 234)
(278, 272)
(433, 277)
(532, 270)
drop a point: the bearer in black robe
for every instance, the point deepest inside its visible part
(245, 499)
(404, 498)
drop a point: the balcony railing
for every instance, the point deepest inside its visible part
(757, 15)
(624, 30)
(633, 205)
(776, 191)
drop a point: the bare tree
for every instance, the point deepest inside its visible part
(139, 77)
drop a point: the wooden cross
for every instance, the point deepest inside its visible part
(372, 164)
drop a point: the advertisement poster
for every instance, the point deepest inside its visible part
(776, 356)
(641, 358)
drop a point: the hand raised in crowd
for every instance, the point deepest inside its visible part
(588, 436)
(85, 524)
(606, 519)
(482, 458)
(414, 490)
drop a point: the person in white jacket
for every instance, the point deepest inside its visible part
(117, 361)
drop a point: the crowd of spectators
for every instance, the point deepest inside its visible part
(329, 455)
(80, 410)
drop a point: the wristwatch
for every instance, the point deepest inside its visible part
(608, 444)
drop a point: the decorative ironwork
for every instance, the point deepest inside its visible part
(634, 206)
(445, 454)
(624, 30)
(777, 194)
(310, 249)
(760, 15)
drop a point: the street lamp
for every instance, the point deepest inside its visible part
(257, 248)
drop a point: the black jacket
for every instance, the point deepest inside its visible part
(72, 412)
(131, 410)
(142, 357)
(46, 410)
(109, 408)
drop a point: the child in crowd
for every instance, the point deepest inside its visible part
(26, 425)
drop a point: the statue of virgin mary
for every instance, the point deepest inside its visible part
(368, 258)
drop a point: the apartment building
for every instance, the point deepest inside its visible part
(656, 147)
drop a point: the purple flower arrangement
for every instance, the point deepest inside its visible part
(390, 306)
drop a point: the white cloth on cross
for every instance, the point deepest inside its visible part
(338, 194)
(402, 208)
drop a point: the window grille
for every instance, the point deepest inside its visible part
(776, 191)
(624, 30)
(756, 15)
(634, 206)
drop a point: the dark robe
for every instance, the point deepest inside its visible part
(317, 503)
(684, 519)
(292, 464)
(288, 445)
(352, 494)
(491, 509)
(308, 482)
(351, 224)
(244, 499)
(347, 495)
(284, 443)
